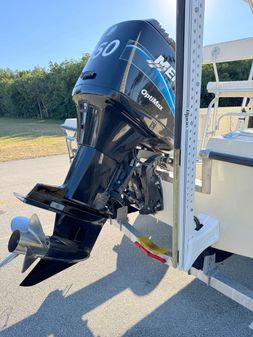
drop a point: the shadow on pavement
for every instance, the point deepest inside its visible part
(195, 311)
(134, 271)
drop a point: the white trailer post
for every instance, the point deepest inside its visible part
(187, 242)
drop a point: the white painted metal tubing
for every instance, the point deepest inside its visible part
(229, 51)
(206, 122)
(231, 88)
(226, 286)
(236, 114)
(134, 236)
(8, 259)
(244, 102)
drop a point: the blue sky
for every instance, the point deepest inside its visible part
(35, 32)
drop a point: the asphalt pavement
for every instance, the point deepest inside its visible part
(117, 292)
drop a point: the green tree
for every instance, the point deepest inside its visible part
(40, 93)
(228, 71)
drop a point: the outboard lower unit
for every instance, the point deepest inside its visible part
(125, 111)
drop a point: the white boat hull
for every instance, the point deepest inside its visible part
(230, 200)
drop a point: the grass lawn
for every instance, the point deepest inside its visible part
(29, 138)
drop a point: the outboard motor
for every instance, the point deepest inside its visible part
(125, 112)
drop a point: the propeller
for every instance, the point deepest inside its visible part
(27, 238)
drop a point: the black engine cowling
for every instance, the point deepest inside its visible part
(129, 79)
(124, 99)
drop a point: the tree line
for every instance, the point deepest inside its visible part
(40, 93)
(228, 71)
(46, 93)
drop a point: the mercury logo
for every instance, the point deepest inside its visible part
(164, 66)
(152, 99)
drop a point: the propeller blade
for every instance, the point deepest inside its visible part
(20, 223)
(28, 260)
(36, 229)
